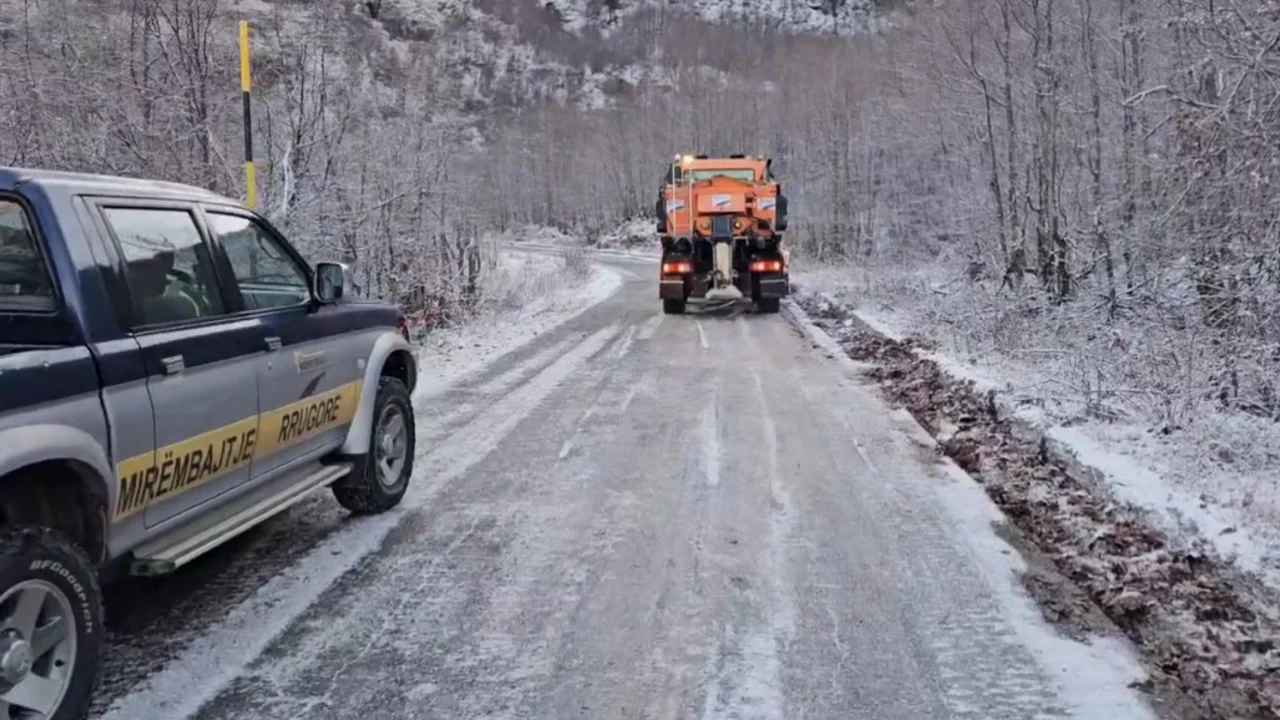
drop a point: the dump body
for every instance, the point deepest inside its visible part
(705, 189)
(721, 223)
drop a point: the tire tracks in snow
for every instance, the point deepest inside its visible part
(153, 621)
(213, 660)
(745, 681)
(460, 595)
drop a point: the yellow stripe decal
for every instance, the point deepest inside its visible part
(306, 418)
(150, 479)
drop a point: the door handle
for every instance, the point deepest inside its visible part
(273, 342)
(173, 364)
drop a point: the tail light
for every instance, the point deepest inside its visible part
(403, 327)
(764, 266)
(677, 268)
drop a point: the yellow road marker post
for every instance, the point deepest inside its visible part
(246, 84)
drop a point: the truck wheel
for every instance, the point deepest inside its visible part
(673, 307)
(51, 615)
(769, 305)
(379, 481)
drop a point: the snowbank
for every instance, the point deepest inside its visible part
(636, 234)
(630, 238)
(539, 235)
(452, 355)
(1181, 476)
(1206, 635)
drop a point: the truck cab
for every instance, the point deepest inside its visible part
(172, 373)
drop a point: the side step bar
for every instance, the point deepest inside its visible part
(170, 552)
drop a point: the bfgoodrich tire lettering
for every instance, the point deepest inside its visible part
(41, 558)
(364, 491)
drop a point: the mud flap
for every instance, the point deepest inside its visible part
(671, 289)
(774, 287)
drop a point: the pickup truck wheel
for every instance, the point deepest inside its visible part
(379, 481)
(768, 305)
(50, 626)
(673, 307)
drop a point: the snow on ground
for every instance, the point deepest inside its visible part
(637, 234)
(1179, 477)
(799, 17)
(1097, 674)
(634, 238)
(447, 358)
(543, 299)
(1207, 636)
(538, 235)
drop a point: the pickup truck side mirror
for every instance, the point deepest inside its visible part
(330, 282)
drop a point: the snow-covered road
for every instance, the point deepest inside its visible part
(639, 516)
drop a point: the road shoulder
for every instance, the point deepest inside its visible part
(1072, 636)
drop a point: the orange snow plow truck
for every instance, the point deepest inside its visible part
(721, 221)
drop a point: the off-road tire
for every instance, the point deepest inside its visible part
(362, 492)
(34, 553)
(769, 305)
(673, 307)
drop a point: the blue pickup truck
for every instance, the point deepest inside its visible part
(172, 373)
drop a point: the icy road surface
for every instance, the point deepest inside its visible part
(639, 516)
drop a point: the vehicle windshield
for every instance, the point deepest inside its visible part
(747, 175)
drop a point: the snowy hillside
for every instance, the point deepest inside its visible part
(808, 16)
(447, 93)
(587, 53)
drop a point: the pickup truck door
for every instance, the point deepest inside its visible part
(50, 373)
(309, 380)
(200, 362)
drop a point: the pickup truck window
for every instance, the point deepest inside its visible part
(25, 284)
(267, 274)
(170, 269)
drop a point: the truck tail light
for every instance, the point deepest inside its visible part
(677, 268)
(764, 266)
(404, 329)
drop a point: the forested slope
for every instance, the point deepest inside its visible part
(1100, 166)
